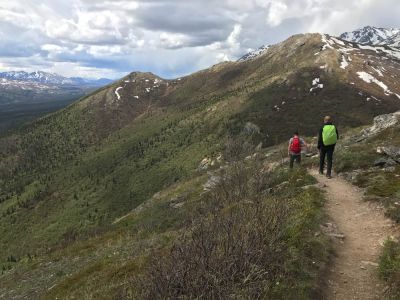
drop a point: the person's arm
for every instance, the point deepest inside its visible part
(303, 142)
(290, 143)
(320, 144)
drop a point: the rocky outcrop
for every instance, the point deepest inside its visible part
(384, 162)
(393, 153)
(381, 123)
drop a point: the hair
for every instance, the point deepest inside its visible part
(296, 132)
(327, 119)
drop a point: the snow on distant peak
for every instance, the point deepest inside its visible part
(51, 78)
(373, 36)
(254, 53)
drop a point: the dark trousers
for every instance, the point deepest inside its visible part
(294, 157)
(328, 153)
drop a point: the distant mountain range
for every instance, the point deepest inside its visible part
(52, 79)
(369, 35)
(26, 96)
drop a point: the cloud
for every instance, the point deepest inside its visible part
(108, 38)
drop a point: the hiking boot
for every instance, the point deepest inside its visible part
(321, 173)
(329, 176)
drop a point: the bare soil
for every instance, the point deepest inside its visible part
(359, 229)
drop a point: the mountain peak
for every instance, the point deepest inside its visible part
(254, 53)
(370, 35)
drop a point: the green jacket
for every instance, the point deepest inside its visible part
(325, 137)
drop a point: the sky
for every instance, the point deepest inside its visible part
(171, 38)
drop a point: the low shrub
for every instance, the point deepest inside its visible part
(246, 242)
(389, 267)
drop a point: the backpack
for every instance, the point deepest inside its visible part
(295, 147)
(329, 136)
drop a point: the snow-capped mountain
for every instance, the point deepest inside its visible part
(374, 36)
(50, 79)
(18, 87)
(254, 54)
(394, 41)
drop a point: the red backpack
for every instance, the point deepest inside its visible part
(295, 147)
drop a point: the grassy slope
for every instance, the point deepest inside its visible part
(70, 175)
(108, 265)
(381, 184)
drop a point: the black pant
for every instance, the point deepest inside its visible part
(328, 152)
(294, 157)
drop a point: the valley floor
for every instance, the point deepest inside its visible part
(360, 229)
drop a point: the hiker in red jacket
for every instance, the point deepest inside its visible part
(296, 145)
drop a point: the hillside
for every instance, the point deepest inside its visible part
(87, 191)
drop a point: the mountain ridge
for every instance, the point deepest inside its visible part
(370, 35)
(51, 78)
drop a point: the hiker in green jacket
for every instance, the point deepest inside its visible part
(327, 139)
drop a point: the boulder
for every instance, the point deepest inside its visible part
(381, 123)
(204, 164)
(384, 162)
(212, 182)
(392, 152)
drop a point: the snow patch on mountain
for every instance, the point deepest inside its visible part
(393, 52)
(117, 92)
(254, 53)
(371, 79)
(337, 41)
(316, 85)
(327, 42)
(370, 35)
(379, 72)
(344, 64)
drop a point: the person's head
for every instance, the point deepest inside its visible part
(296, 132)
(327, 119)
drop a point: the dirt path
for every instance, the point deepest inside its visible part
(359, 229)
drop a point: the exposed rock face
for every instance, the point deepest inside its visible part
(205, 163)
(384, 162)
(381, 123)
(392, 152)
(212, 182)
